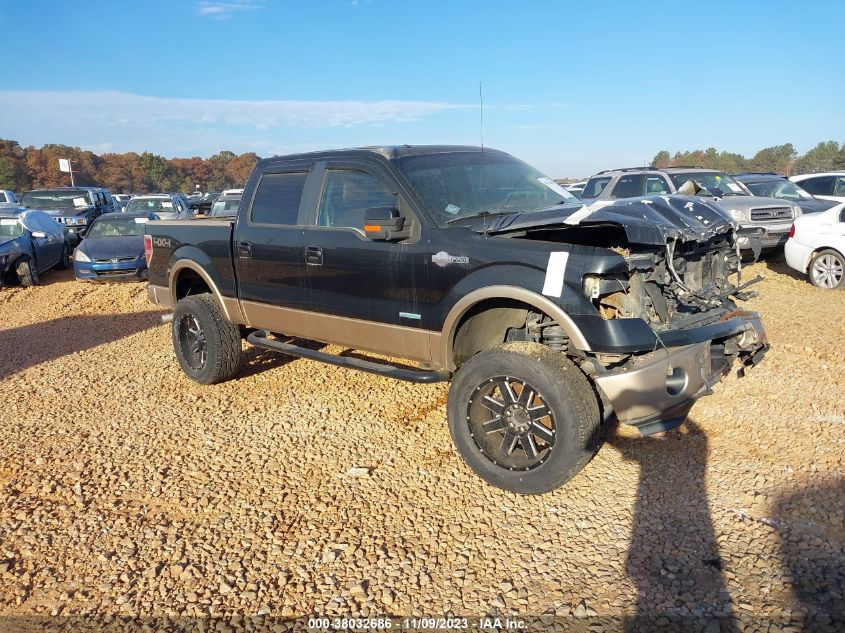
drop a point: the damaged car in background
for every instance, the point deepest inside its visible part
(547, 316)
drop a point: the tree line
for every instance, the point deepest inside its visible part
(780, 159)
(25, 168)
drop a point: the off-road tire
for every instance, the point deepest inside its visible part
(567, 393)
(222, 340)
(64, 261)
(27, 272)
(832, 256)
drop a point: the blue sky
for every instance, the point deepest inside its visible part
(572, 87)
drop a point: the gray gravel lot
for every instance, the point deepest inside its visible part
(126, 489)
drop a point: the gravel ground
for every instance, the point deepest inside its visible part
(302, 489)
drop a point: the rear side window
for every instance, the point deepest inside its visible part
(277, 198)
(629, 186)
(594, 187)
(839, 189)
(820, 186)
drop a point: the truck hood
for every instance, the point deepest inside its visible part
(65, 213)
(645, 220)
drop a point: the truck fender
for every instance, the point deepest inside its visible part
(445, 351)
(229, 305)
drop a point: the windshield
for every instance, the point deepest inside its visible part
(117, 227)
(594, 187)
(718, 183)
(225, 207)
(785, 189)
(150, 205)
(54, 199)
(454, 185)
(10, 228)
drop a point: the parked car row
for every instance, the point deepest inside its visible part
(41, 228)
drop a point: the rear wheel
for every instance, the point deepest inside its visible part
(827, 270)
(207, 346)
(523, 417)
(27, 272)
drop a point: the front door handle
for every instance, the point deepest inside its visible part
(314, 255)
(245, 250)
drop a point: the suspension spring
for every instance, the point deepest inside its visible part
(555, 338)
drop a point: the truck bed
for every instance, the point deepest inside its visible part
(207, 241)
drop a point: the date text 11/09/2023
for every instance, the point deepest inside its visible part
(416, 624)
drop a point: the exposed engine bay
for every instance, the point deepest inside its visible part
(673, 286)
(681, 255)
(684, 271)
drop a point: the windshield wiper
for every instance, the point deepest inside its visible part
(481, 214)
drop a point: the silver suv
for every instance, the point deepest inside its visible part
(772, 215)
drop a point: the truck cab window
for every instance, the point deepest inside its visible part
(277, 198)
(348, 194)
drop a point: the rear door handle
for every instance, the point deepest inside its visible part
(245, 250)
(314, 255)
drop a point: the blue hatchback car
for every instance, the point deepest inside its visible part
(113, 248)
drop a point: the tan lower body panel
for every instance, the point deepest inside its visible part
(380, 338)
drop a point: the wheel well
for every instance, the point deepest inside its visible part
(190, 283)
(485, 325)
(826, 248)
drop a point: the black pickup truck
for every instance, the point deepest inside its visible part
(547, 317)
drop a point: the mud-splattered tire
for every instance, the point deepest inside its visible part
(27, 272)
(207, 346)
(528, 392)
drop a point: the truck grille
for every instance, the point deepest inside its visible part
(114, 260)
(768, 214)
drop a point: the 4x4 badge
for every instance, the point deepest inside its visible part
(443, 259)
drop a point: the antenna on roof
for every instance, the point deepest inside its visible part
(481, 113)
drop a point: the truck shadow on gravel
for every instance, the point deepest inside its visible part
(674, 558)
(810, 522)
(29, 345)
(257, 360)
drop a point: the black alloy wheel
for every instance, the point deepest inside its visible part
(192, 341)
(511, 423)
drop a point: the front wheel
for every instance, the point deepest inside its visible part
(523, 417)
(207, 346)
(27, 272)
(827, 270)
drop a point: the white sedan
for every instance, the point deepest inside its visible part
(816, 246)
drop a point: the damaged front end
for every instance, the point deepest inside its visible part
(684, 273)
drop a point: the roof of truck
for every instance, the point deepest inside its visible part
(389, 152)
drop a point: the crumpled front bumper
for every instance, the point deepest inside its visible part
(656, 391)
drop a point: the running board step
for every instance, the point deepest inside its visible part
(260, 338)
